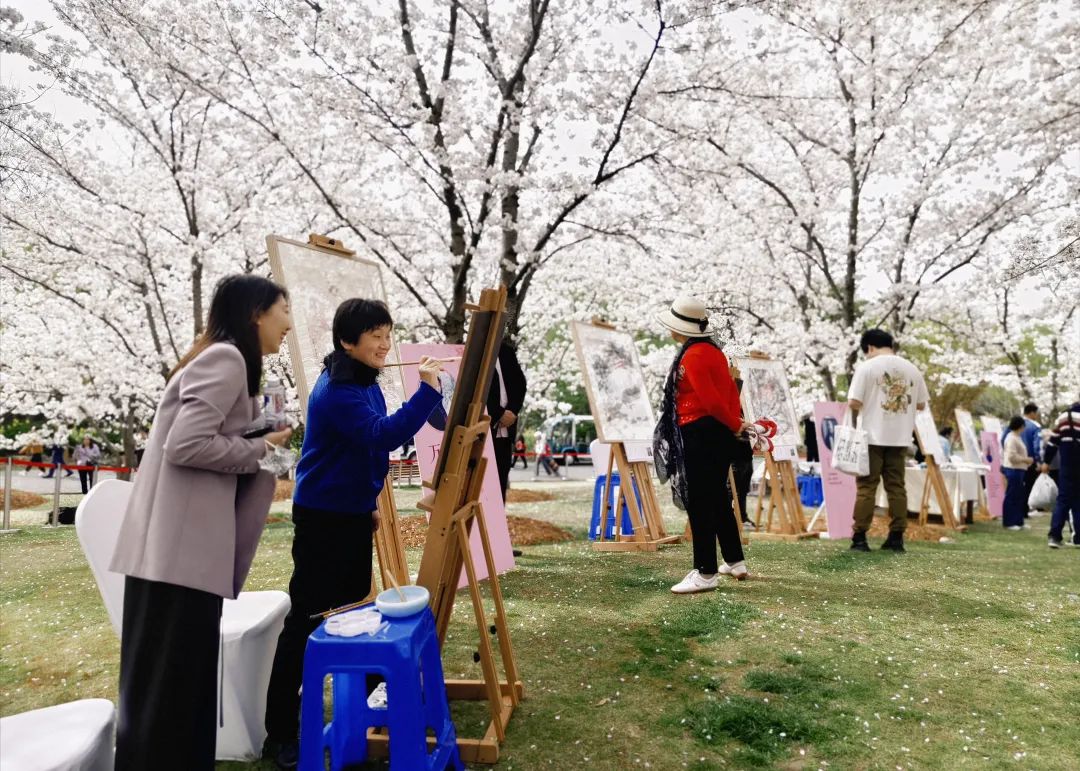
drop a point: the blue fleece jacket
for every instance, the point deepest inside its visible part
(347, 441)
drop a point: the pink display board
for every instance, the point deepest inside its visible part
(429, 439)
(839, 488)
(995, 482)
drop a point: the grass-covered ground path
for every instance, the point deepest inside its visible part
(962, 655)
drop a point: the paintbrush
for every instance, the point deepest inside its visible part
(416, 363)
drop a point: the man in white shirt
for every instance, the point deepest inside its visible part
(886, 392)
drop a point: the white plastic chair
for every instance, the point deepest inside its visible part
(599, 451)
(636, 452)
(250, 624)
(77, 736)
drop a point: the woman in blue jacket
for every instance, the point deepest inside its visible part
(343, 465)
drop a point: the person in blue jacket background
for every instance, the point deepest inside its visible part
(343, 465)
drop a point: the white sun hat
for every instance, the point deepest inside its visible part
(687, 316)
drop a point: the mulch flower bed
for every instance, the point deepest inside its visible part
(523, 531)
(527, 496)
(914, 532)
(21, 500)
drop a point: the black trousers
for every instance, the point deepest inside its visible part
(712, 517)
(504, 459)
(743, 471)
(168, 678)
(85, 478)
(331, 554)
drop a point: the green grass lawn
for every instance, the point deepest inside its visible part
(949, 656)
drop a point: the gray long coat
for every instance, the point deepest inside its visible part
(200, 501)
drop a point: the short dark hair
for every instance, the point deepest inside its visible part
(1016, 422)
(1030, 407)
(356, 316)
(878, 338)
(946, 431)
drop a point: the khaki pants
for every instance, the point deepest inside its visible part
(887, 465)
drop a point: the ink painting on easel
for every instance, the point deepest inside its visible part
(318, 279)
(615, 383)
(766, 394)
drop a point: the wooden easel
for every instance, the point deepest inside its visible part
(389, 548)
(649, 533)
(783, 499)
(784, 502)
(455, 510)
(641, 502)
(935, 485)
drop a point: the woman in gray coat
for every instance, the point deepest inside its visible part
(191, 529)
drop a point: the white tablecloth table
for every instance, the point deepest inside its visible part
(915, 480)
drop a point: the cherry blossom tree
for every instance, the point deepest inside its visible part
(117, 224)
(868, 155)
(460, 145)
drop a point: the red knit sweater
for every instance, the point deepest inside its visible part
(706, 387)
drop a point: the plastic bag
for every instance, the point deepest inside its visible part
(851, 449)
(1043, 494)
(279, 461)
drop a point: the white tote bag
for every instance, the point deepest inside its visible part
(851, 448)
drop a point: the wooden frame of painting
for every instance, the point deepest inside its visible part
(615, 384)
(990, 423)
(929, 439)
(319, 275)
(766, 393)
(969, 440)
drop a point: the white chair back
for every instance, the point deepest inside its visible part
(599, 452)
(97, 523)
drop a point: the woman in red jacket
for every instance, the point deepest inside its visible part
(697, 438)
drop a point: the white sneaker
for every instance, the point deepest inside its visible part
(1014, 527)
(694, 582)
(737, 571)
(377, 698)
(748, 525)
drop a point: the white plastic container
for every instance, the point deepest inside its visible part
(274, 404)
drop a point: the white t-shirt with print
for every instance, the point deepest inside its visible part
(889, 387)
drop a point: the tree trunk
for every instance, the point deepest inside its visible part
(128, 439)
(196, 293)
(1054, 390)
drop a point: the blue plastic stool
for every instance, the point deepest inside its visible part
(810, 490)
(598, 497)
(406, 654)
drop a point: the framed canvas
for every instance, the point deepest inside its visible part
(318, 280)
(990, 423)
(615, 383)
(767, 394)
(929, 441)
(968, 438)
